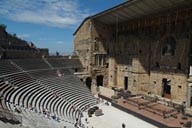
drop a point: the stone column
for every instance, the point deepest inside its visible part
(189, 85)
(93, 86)
(98, 62)
(102, 63)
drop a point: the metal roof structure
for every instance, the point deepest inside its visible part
(133, 9)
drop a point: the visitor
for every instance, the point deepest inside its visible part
(14, 108)
(86, 120)
(18, 109)
(183, 107)
(106, 103)
(123, 125)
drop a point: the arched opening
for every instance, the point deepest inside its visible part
(169, 46)
(100, 80)
(157, 65)
(179, 66)
(166, 88)
(88, 82)
(76, 69)
(4, 56)
(125, 82)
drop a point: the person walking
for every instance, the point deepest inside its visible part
(123, 125)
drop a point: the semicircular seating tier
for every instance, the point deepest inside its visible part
(37, 85)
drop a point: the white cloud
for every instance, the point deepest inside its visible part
(60, 42)
(23, 35)
(57, 13)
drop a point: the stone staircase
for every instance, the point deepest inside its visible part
(47, 63)
(18, 67)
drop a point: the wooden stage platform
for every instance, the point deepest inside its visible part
(151, 111)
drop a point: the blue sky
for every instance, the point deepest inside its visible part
(49, 23)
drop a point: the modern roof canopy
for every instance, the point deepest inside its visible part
(133, 9)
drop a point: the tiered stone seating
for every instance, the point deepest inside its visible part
(31, 64)
(40, 87)
(21, 95)
(48, 73)
(3, 88)
(19, 79)
(17, 47)
(69, 88)
(60, 62)
(5, 111)
(7, 68)
(35, 94)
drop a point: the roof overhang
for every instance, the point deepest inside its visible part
(133, 9)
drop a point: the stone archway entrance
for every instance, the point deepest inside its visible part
(4, 55)
(125, 82)
(166, 88)
(189, 94)
(100, 80)
(88, 82)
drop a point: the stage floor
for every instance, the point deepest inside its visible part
(113, 118)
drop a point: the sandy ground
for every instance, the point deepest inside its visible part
(113, 118)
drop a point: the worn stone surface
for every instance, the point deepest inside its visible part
(146, 54)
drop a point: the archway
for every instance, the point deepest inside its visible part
(125, 82)
(4, 55)
(100, 80)
(168, 46)
(166, 88)
(88, 82)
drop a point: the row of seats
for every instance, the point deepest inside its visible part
(7, 68)
(47, 73)
(17, 65)
(18, 47)
(74, 93)
(60, 62)
(31, 64)
(57, 90)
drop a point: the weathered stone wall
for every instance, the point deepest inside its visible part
(82, 44)
(145, 75)
(178, 84)
(169, 69)
(145, 50)
(103, 42)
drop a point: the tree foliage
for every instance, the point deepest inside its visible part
(3, 26)
(14, 35)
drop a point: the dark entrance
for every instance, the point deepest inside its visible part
(4, 56)
(76, 69)
(88, 82)
(166, 88)
(191, 101)
(100, 80)
(126, 83)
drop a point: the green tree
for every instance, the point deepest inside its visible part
(3, 26)
(14, 35)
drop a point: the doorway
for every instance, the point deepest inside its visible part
(125, 82)
(4, 56)
(88, 82)
(166, 88)
(100, 80)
